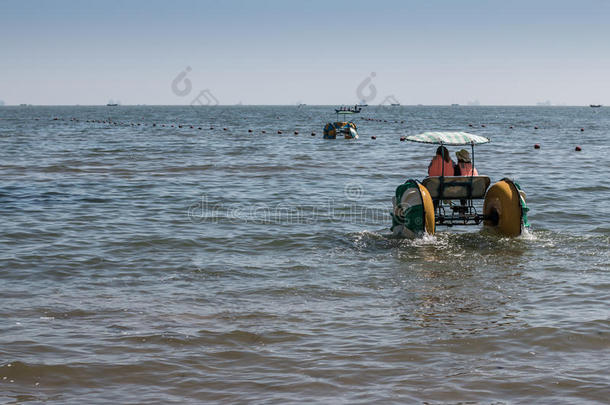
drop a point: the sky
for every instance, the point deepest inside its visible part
(435, 52)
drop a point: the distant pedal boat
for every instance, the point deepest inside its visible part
(346, 128)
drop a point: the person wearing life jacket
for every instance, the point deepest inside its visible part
(441, 164)
(464, 165)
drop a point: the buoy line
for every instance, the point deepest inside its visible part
(250, 130)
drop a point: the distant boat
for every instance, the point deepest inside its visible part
(348, 110)
(345, 128)
(595, 105)
(454, 105)
(112, 104)
(395, 104)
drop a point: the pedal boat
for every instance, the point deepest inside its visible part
(341, 127)
(420, 207)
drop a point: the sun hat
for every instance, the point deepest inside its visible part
(463, 155)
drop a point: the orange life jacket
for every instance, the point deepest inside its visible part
(466, 169)
(436, 167)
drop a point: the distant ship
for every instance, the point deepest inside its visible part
(454, 105)
(348, 110)
(112, 104)
(595, 105)
(395, 104)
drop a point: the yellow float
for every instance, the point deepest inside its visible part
(429, 221)
(503, 210)
(413, 213)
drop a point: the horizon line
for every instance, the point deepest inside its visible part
(301, 105)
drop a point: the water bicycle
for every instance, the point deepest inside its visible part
(342, 127)
(419, 207)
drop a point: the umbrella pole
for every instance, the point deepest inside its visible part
(473, 166)
(443, 162)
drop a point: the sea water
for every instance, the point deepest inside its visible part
(145, 263)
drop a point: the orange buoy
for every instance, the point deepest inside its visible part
(577, 149)
(537, 146)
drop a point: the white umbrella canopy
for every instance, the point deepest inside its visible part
(448, 138)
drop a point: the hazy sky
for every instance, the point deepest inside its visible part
(314, 52)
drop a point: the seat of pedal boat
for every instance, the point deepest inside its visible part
(456, 187)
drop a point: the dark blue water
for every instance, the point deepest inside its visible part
(159, 264)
